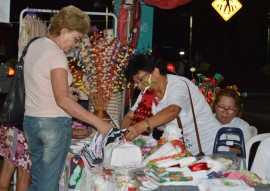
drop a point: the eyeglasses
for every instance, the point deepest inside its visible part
(222, 109)
(141, 80)
(77, 40)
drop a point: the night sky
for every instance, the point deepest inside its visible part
(237, 49)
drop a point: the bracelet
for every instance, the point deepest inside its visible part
(147, 125)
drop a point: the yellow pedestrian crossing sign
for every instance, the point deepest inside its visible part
(226, 8)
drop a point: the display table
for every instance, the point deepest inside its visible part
(79, 175)
(195, 188)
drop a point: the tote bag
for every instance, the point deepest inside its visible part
(13, 109)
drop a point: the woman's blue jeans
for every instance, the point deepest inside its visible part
(48, 141)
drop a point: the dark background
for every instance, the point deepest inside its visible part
(237, 49)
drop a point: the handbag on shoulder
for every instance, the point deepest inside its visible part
(13, 109)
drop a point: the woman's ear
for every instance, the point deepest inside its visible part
(64, 31)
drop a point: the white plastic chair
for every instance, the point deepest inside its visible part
(254, 131)
(251, 141)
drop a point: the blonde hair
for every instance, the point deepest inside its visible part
(71, 18)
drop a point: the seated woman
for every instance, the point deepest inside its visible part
(261, 164)
(171, 100)
(228, 109)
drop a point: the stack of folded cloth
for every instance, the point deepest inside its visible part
(93, 152)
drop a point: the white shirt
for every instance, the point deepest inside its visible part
(261, 163)
(241, 124)
(177, 94)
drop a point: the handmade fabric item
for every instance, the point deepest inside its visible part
(94, 151)
(76, 169)
(114, 135)
(115, 154)
(165, 150)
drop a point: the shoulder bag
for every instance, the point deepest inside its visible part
(13, 109)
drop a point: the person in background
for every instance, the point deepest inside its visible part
(50, 102)
(228, 109)
(261, 164)
(183, 65)
(14, 150)
(172, 100)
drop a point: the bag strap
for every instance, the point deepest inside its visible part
(195, 123)
(25, 50)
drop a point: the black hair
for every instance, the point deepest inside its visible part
(145, 62)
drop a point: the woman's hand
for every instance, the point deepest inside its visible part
(134, 131)
(105, 129)
(80, 132)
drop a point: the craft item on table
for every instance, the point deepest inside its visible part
(178, 161)
(250, 178)
(213, 164)
(179, 145)
(122, 182)
(76, 148)
(76, 168)
(214, 174)
(146, 183)
(78, 125)
(122, 154)
(146, 143)
(198, 166)
(103, 184)
(165, 150)
(107, 154)
(169, 178)
(114, 135)
(223, 184)
(93, 151)
(172, 132)
(185, 172)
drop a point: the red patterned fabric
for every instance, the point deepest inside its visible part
(166, 4)
(13, 145)
(135, 22)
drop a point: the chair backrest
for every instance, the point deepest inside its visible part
(230, 143)
(251, 141)
(254, 131)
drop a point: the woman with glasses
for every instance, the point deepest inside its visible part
(50, 100)
(171, 99)
(228, 109)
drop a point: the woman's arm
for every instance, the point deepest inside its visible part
(127, 120)
(164, 116)
(62, 97)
